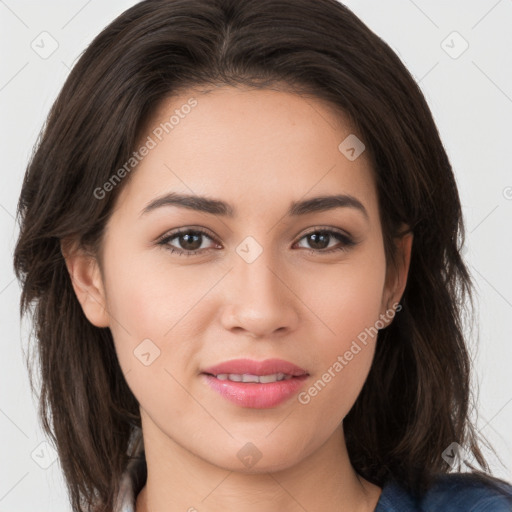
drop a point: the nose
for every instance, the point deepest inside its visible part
(260, 299)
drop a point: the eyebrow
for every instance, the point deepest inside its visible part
(218, 207)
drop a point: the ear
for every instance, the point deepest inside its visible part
(87, 282)
(396, 277)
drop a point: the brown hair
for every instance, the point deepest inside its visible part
(416, 400)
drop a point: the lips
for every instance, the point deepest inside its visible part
(255, 384)
(252, 367)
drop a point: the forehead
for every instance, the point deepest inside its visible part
(258, 148)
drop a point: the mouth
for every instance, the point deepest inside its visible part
(255, 384)
(247, 377)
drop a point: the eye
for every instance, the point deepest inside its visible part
(188, 241)
(321, 239)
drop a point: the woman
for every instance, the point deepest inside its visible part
(241, 234)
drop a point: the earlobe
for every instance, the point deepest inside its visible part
(84, 271)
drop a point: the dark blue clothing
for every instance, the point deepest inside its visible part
(452, 492)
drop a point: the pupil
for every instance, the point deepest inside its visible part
(192, 240)
(319, 240)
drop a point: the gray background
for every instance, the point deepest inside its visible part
(470, 94)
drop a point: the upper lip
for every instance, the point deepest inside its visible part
(253, 367)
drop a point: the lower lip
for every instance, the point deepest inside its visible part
(256, 395)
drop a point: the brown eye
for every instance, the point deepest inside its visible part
(190, 241)
(320, 240)
(186, 242)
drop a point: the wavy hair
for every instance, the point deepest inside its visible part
(417, 398)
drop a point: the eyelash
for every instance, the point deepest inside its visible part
(344, 239)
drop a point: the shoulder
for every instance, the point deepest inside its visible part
(452, 492)
(469, 492)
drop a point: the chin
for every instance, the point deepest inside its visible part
(258, 456)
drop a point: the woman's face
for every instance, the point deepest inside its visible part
(271, 272)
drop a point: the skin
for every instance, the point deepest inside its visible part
(258, 150)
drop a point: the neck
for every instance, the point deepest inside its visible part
(180, 481)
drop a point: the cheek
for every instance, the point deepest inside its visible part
(157, 317)
(331, 394)
(347, 301)
(147, 298)
(152, 327)
(346, 297)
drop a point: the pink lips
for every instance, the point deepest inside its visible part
(256, 394)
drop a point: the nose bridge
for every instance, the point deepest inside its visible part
(260, 301)
(258, 277)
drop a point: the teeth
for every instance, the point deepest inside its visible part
(269, 378)
(246, 377)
